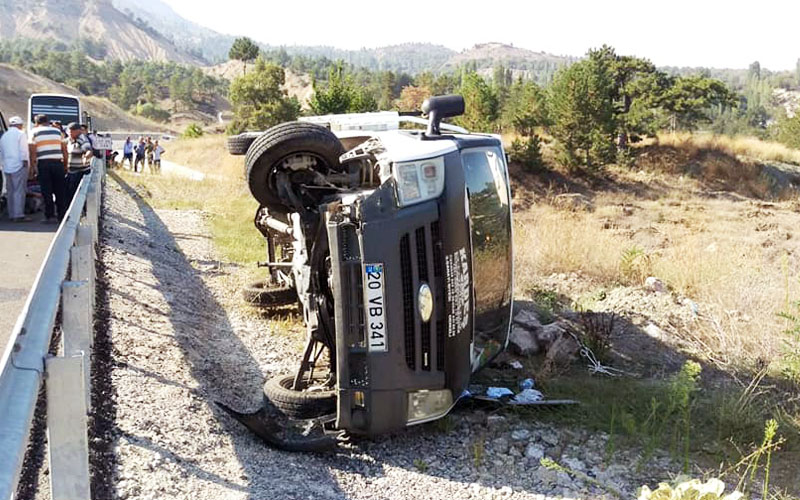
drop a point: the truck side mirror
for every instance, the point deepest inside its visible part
(439, 107)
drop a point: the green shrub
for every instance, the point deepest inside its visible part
(527, 152)
(193, 131)
(152, 112)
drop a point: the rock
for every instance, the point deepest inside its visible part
(521, 435)
(563, 351)
(548, 437)
(573, 201)
(654, 284)
(522, 341)
(574, 464)
(500, 445)
(527, 319)
(627, 211)
(544, 475)
(534, 452)
(652, 330)
(496, 422)
(548, 334)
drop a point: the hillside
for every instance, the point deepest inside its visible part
(16, 85)
(522, 62)
(72, 21)
(189, 36)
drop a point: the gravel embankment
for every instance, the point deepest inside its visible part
(179, 343)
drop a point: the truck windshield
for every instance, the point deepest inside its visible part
(490, 222)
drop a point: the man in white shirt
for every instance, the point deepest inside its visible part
(155, 164)
(15, 158)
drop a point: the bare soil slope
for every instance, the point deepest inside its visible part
(70, 20)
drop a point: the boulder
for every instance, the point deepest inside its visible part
(548, 334)
(573, 201)
(527, 318)
(654, 284)
(523, 341)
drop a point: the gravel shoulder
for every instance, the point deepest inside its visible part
(179, 341)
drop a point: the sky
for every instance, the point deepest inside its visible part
(730, 34)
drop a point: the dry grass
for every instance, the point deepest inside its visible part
(207, 154)
(223, 195)
(734, 258)
(751, 148)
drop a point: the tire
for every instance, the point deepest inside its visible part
(239, 144)
(279, 142)
(299, 405)
(260, 293)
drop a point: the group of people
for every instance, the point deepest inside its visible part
(58, 159)
(145, 149)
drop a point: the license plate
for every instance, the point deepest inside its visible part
(375, 308)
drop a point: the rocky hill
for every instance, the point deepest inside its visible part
(187, 35)
(484, 57)
(98, 21)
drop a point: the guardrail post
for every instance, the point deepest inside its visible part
(92, 208)
(84, 235)
(67, 428)
(76, 336)
(82, 267)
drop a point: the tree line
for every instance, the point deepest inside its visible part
(594, 108)
(141, 87)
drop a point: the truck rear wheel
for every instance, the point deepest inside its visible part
(239, 144)
(262, 294)
(311, 402)
(287, 151)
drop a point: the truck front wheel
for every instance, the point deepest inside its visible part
(313, 401)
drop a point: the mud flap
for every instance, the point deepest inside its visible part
(275, 430)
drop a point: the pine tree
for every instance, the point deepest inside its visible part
(243, 49)
(581, 108)
(259, 101)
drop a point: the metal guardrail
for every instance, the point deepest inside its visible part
(66, 282)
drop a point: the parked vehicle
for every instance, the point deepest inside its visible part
(57, 107)
(397, 244)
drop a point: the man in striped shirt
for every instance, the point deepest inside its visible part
(79, 153)
(49, 153)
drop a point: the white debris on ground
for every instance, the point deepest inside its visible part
(180, 342)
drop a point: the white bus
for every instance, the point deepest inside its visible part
(57, 107)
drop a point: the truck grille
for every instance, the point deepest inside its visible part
(421, 351)
(408, 300)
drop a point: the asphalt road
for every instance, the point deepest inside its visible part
(22, 250)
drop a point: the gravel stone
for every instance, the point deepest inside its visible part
(534, 452)
(520, 434)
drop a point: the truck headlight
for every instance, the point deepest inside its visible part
(428, 405)
(419, 181)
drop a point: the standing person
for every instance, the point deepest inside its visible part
(148, 147)
(155, 166)
(57, 124)
(127, 152)
(79, 154)
(15, 159)
(139, 149)
(48, 158)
